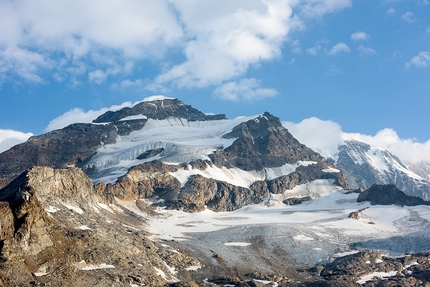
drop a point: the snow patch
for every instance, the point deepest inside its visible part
(382, 275)
(331, 170)
(237, 243)
(76, 209)
(135, 117)
(84, 266)
(52, 209)
(84, 227)
(194, 268)
(302, 237)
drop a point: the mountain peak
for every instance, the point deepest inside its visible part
(158, 108)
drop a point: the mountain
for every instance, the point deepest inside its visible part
(161, 194)
(365, 165)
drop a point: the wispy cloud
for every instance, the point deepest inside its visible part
(339, 48)
(422, 60)
(244, 90)
(408, 17)
(365, 50)
(360, 36)
(390, 11)
(313, 50)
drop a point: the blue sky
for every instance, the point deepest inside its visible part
(362, 64)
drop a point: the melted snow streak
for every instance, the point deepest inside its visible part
(187, 141)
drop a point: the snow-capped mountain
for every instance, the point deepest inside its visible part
(365, 165)
(161, 194)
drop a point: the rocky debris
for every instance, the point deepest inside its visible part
(67, 234)
(356, 214)
(159, 110)
(151, 153)
(389, 194)
(262, 142)
(296, 200)
(405, 271)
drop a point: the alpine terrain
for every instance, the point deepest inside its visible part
(161, 194)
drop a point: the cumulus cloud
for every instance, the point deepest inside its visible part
(390, 11)
(324, 136)
(78, 115)
(339, 48)
(228, 37)
(313, 50)
(422, 60)
(408, 17)
(366, 50)
(245, 89)
(78, 40)
(321, 136)
(35, 33)
(9, 138)
(359, 36)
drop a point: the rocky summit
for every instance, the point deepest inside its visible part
(161, 194)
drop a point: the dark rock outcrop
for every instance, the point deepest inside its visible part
(159, 110)
(389, 194)
(262, 142)
(296, 200)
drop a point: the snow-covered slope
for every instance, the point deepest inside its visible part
(365, 165)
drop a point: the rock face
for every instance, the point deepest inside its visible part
(365, 165)
(389, 194)
(56, 228)
(262, 142)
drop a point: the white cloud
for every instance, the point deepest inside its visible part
(78, 115)
(408, 150)
(408, 17)
(9, 138)
(339, 48)
(313, 50)
(318, 8)
(422, 60)
(79, 40)
(360, 36)
(321, 136)
(245, 89)
(390, 11)
(324, 137)
(228, 37)
(366, 50)
(79, 29)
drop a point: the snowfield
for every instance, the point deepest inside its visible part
(313, 232)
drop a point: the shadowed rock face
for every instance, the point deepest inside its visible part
(389, 194)
(262, 142)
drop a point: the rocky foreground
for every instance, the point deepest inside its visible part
(58, 229)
